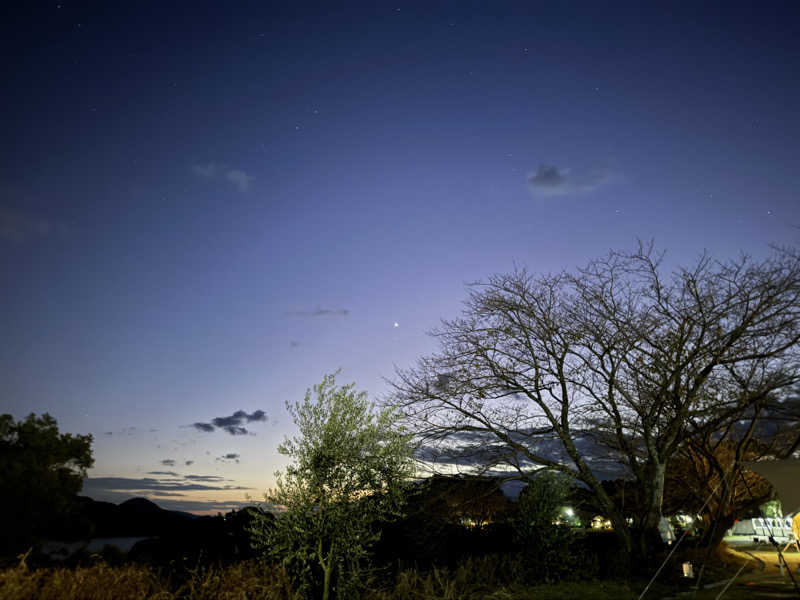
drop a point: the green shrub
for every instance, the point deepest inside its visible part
(549, 549)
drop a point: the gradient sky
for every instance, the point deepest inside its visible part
(204, 207)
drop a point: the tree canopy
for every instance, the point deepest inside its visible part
(41, 472)
(620, 355)
(349, 465)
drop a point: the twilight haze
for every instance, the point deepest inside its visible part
(205, 207)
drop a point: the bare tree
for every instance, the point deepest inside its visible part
(543, 371)
(707, 475)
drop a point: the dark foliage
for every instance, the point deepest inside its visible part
(41, 472)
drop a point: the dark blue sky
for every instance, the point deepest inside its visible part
(204, 207)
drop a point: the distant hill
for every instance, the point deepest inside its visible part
(134, 517)
(168, 535)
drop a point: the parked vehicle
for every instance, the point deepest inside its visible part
(760, 530)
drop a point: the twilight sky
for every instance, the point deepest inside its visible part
(204, 207)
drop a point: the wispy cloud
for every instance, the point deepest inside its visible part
(168, 462)
(206, 171)
(233, 424)
(230, 457)
(319, 312)
(170, 500)
(205, 477)
(238, 178)
(126, 431)
(550, 180)
(147, 484)
(169, 493)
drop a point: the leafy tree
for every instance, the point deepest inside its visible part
(539, 370)
(41, 472)
(349, 466)
(545, 545)
(461, 499)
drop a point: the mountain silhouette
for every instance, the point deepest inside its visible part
(134, 517)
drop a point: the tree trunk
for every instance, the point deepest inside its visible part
(326, 581)
(327, 570)
(649, 535)
(625, 540)
(716, 533)
(655, 474)
(622, 530)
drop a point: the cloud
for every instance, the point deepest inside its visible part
(19, 226)
(168, 462)
(233, 423)
(205, 477)
(482, 452)
(238, 178)
(235, 430)
(171, 501)
(550, 180)
(319, 312)
(207, 170)
(146, 484)
(203, 507)
(231, 456)
(189, 463)
(548, 176)
(234, 419)
(442, 381)
(258, 415)
(168, 473)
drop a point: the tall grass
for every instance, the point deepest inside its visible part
(244, 581)
(494, 577)
(490, 578)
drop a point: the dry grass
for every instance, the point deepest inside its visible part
(486, 578)
(245, 581)
(473, 580)
(99, 582)
(491, 578)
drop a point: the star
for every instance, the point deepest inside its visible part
(396, 324)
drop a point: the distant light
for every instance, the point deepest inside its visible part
(396, 324)
(569, 512)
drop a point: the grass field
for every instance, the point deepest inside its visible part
(473, 580)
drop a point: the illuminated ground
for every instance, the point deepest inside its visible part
(761, 577)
